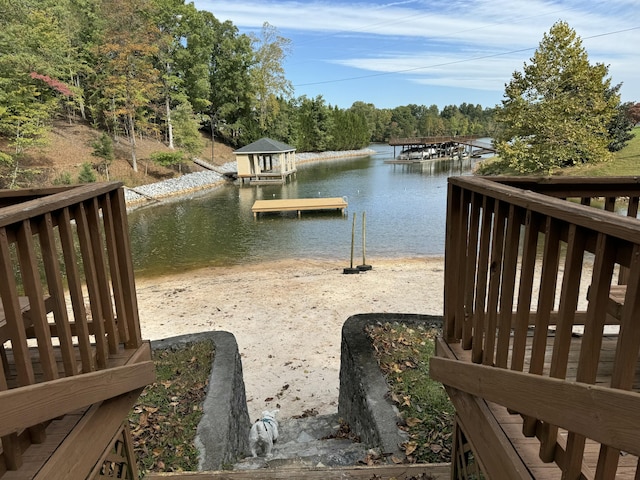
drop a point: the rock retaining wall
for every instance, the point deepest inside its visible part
(364, 401)
(223, 431)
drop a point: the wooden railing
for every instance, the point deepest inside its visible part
(530, 267)
(69, 327)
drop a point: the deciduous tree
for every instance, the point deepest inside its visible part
(268, 73)
(127, 76)
(556, 112)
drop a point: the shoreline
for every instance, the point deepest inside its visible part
(287, 318)
(210, 180)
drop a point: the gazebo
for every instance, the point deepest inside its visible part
(266, 161)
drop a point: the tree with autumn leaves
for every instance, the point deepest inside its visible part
(126, 66)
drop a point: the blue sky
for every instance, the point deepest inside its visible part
(442, 52)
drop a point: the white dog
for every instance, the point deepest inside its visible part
(264, 433)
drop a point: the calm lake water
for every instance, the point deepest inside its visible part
(405, 209)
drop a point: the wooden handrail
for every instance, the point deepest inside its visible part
(617, 225)
(569, 405)
(56, 201)
(23, 407)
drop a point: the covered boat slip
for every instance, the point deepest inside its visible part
(299, 205)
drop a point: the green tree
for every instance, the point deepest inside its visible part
(31, 43)
(621, 124)
(167, 15)
(127, 77)
(403, 122)
(215, 72)
(86, 175)
(187, 133)
(557, 111)
(167, 159)
(313, 125)
(349, 130)
(268, 73)
(103, 149)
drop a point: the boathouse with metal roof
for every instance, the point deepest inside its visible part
(266, 161)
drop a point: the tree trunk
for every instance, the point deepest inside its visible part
(169, 123)
(132, 142)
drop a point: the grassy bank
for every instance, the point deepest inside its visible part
(625, 163)
(165, 419)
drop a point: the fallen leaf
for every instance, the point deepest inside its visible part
(410, 447)
(413, 421)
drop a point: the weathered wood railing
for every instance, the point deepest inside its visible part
(521, 258)
(69, 327)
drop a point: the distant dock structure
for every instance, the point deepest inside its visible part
(422, 149)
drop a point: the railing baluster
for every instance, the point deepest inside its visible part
(456, 233)
(592, 339)
(114, 267)
(495, 275)
(37, 311)
(56, 290)
(546, 295)
(512, 243)
(104, 292)
(471, 254)
(479, 308)
(126, 270)
(525, 289)
(610, 204)
(546, 299)
(74, 281)
(570, 293)
(13, 315)
(95, 303)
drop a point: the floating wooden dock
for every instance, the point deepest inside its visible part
(298, 205)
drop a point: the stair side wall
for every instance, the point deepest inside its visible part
(364, 401)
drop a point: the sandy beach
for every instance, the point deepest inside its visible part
(287, 318)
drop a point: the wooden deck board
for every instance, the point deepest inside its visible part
(528, 447)
(34, 456)
(298, 205)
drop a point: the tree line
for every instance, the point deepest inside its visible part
(164, 69)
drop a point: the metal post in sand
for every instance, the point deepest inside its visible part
(352, 269)
(364, 267)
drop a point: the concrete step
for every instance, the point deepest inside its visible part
(315, 441)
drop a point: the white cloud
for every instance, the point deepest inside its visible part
(470, 43)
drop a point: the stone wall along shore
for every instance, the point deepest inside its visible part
(210, 179)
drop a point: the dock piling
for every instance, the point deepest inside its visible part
(351, 269)
(364, 267)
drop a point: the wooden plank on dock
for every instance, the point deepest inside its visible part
(298, 205)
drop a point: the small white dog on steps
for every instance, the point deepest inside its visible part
(264, 433)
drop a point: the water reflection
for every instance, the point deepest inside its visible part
(405, 207)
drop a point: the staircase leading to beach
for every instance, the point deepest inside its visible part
(317, 441)
(315, 448)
